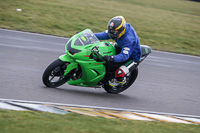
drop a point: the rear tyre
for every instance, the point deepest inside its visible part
(118, 89)
(54, 76)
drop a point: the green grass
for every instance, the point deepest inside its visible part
(167, 25)
(40, 122)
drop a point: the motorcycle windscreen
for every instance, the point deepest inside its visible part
(86, 38)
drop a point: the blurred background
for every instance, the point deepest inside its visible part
(172, 25)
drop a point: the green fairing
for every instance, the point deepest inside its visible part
(71, 66)
(92, 71)
(146, 50)
(65, 58)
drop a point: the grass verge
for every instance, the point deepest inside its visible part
(172, 25)
(40, 122)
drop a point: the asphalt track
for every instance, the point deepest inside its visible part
(167, 82)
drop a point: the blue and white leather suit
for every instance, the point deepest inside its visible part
(129, 44)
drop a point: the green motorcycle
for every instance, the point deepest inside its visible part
(83, 65)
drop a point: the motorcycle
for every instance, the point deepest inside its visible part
(83, 65)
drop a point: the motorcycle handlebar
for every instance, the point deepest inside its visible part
(95, 50)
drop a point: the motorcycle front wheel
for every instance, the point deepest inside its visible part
(54, 76)
(131, 79)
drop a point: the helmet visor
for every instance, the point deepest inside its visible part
(114, 31)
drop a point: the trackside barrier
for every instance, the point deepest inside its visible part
(113, 113)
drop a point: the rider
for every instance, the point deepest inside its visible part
(128, 42)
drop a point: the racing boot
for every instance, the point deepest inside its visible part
(120, 74)
(120, 77)
(113, 82)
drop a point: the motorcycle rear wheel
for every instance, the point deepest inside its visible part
(54, 76)
(119, 89)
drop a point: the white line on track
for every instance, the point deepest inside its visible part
(32, 33)
(39, 34)
(176, 54)
(97, 107)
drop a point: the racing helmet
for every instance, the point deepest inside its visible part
(116, 27)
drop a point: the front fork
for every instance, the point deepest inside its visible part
(72, 64)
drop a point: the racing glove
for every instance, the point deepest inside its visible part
(108, 58)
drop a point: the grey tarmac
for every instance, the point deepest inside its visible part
(167, 82)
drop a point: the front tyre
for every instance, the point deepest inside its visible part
(130, 80)
(54, 76)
